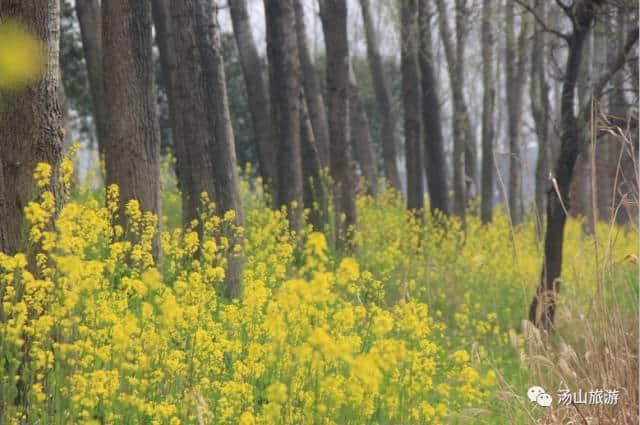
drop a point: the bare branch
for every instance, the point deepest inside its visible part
(541, 22)
(598, 87)
(632, 37)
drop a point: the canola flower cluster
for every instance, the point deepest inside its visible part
(93, 330)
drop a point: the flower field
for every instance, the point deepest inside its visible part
(416, 324)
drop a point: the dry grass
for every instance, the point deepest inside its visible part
(594, 346)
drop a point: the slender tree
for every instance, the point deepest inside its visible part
(361, 136)
(383, 99)
(334, 23)
(488, 106)
(30, 122)
(581, 15)
(313, 93)
(463, 140)
(257, 90)
(515, 56)
(88, 13)
(435, 163)
(411, 103)
(540, 110)
(285, 84)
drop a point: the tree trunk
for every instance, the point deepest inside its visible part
(515, 55)
(383, 98)
(285, 83)
(334, 23)
(540, 109)
(221, 144)
(189, 114)
(435, 163)
(462, 132)
(361, 137)
(132, 147)
(411, 103)
(30, 123)
(488, 102)
(164, 39)
(313, 93)
(88, 12)
(314, 188)
(470, 150)
(542, 309)
(257, 91)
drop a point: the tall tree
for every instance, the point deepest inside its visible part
(189, 114)
(30, 121)
(334, 23)
(257, 91)
(313, 93)
(383, 99)
(463, 140)
(285, 84)
(435, 163)
(132, 146)
(411, 103)
(220, 139)
(361, 136)
(168, 64)
(581, 15)
(88, 12)
(515, 60)
(488, 106)
(540, 109)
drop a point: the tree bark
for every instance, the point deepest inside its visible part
(164, 39)
(88, 13)
(221, 144)
(463, 138)
(515, 55)
(542, 309)
(435, 163)
(189, 116)
(313, 94)
(361, 137)
(30, 123)
(488, 106)
(334, 23)
(285, 83)
(411, 103)
(540, 110)
(257, 91)
(383, 98)
(132, 147)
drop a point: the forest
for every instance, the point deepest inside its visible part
(319, 212)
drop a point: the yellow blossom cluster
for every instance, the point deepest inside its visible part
(98, 331)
